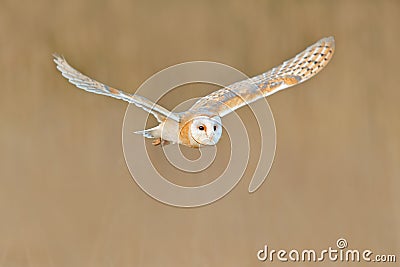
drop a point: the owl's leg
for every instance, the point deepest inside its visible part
(160, 141)
(157, 142)
(165, 142)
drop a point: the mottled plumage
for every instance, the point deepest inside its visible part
(293, 71)
(201, 124)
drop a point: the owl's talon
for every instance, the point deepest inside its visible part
(157, 142)
(160, 141)
(165, 142)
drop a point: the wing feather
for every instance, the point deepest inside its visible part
(88, 84)
(302, 67)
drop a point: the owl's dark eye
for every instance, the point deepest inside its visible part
(215, 127)
(201, 128)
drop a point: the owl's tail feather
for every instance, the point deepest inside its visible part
(150, 133)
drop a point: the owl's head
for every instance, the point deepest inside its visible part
(205, 130)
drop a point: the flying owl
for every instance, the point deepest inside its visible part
(201, 124)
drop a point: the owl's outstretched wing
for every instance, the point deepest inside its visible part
(84, 82)
(293, 71)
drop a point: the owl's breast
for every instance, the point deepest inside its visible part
(170, 131)
(185, 137)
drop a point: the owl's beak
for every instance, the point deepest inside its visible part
(211, 138)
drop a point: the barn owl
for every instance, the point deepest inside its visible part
(201, 124)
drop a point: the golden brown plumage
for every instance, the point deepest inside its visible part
(201, 124)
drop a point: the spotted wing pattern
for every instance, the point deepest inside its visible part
(88, 84)
(293, 71)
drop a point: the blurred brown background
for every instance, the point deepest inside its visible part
(66, 196)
